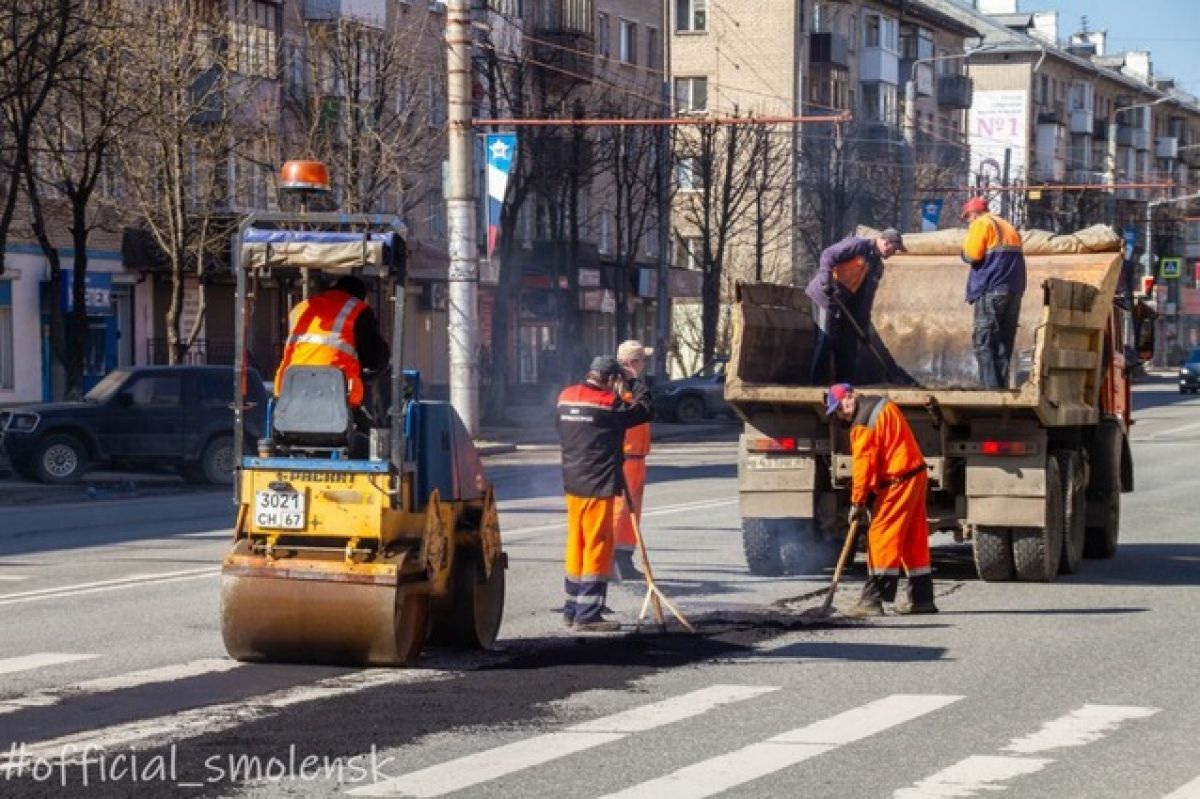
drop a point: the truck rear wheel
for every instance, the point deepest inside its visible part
(993, 553)
(802, 547)
(761, 545)
(1104, 492)
(1070, 465)
(1037, 552)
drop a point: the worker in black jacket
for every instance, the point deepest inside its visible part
(592, 420)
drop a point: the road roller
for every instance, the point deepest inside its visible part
(356, 542)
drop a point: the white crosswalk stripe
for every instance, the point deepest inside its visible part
(980, 774)
(39, 660)
(718, 774)
(120, 682)
(1189, 791)
(475, 769)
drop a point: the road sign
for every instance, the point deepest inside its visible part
(1170, 268)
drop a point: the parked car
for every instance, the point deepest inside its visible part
(174, 416)
(690, 399)
(1189, 373)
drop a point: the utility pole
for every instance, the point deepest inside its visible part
(662, 299)
(908, 174)
(463, 323)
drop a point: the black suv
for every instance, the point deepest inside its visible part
(177, 416)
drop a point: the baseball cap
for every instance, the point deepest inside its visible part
(633, 349)
(605, 366)
(893, 235)
(974, 205)
(836, 392)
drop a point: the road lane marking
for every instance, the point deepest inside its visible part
(1189, 791)
(80, 589)
(728, 771)
(39, 660)
(980, 774)
(501, 761)
(120, 682)
(1078, 728)
(1168, 433)
(13, 578)
(163, 730)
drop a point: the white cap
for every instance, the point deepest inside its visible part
(632, 350)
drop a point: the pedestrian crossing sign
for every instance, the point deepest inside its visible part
(1170, 267)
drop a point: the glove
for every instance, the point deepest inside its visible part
(859, 515)
(827, 288)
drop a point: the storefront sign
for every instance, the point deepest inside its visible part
(589, 278)
(97, 293)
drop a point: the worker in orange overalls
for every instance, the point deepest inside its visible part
(336, 328)
(592, 418)
(889, 466)
(632, 356)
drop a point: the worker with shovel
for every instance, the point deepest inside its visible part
(843, 292)
(888, 464)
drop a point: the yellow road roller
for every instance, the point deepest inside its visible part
(355, 542)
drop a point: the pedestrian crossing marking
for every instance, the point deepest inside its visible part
(39, 660)
(978, 773)
(464, 772)
(1189, 791)
(120, 682)
(724, 772)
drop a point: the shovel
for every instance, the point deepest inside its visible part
(826, 608)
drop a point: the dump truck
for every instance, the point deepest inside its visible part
(351, 547)
(1031, 475)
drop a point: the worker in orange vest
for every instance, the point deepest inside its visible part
(336, 328)
(632, 356)
(845, 284)
(888, 467)
(995, 286)
(592, 420)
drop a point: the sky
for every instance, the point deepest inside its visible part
(1167, 28)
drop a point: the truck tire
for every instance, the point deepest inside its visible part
(1074, 490)
(802, 547)
(1037, 552)
(59, 458)
(761, 545)
(993, 553)
(1104, 492)
(689, 409)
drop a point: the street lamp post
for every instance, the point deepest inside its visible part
(908, 188)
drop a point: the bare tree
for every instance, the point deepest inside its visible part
(198, 109)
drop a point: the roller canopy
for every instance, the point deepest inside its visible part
(321, 249)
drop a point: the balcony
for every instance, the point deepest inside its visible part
(565, 45)
(1166, 147)
(829, 48)
(955, 91)
(1136, 138)
(878, 65)
(367, 12)
(923, 77)
(565, 18)
(1082, 121)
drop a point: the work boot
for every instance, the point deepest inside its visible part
(865, 608)
(920, 597)
(598, 626)
(916, 608)
(623, 567)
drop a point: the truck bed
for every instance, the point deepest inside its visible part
(922, 327)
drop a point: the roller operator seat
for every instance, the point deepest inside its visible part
(311, 410)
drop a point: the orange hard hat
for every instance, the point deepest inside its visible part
(975, 205)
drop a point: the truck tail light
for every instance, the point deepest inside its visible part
(1006, 448)
(771, 444)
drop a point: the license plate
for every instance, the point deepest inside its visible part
(279, 510)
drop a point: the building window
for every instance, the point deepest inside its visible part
(252, 33)
(871, 30)
(437, 103)
(689, 176)
(652, 46)
(604, 239)
(602, 44)
(879, 102)
(628, 42)
(691, 15)
(689, 252)
(691, 94)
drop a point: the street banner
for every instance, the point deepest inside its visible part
(997, 122)
(501, 154)
(931, 214)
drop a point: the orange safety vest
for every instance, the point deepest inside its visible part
(851, 273)
(323, 335)
(637, 439)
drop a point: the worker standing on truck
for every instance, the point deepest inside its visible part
(632, 356)
(336, 328)
(888, 465)
(592, 418)
(995, 287)
(844, 286)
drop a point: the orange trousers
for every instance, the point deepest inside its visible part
(635, 481)
(588, 556)
(899, 534)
